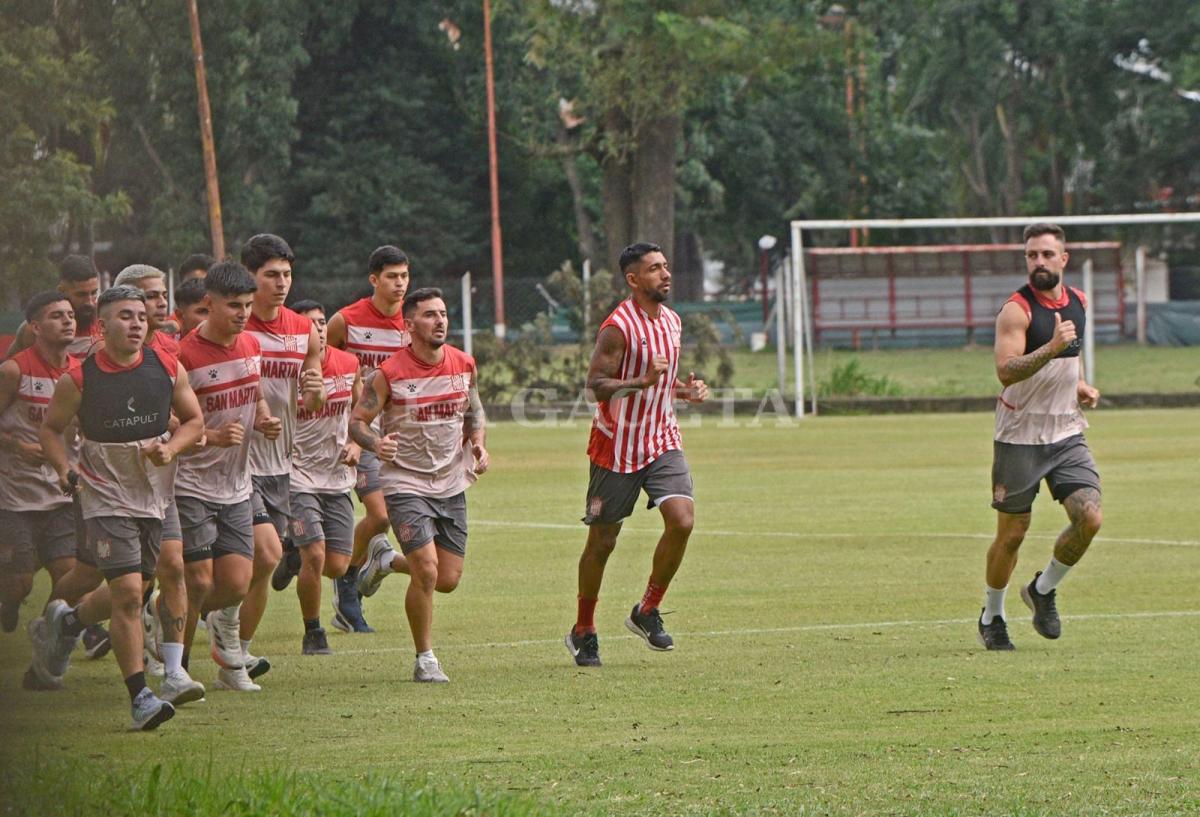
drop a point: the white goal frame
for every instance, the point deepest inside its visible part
(798, 300)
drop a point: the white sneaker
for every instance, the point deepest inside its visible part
(224, 638)
(236, 680)
(154, 667)
(149, 711)
(429, 670)
(152, 627)
(179, 688)
(371, 574)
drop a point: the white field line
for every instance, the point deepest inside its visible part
(806, 628)
(702, 531)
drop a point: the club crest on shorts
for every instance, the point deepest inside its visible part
(103, 548)
(999, 492)
(595, 505)
(297, 527)
(405, 532)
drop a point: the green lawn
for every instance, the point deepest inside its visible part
(826, 658)
(1120, 369)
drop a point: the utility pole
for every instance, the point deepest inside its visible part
(206, 138)
(493, 174)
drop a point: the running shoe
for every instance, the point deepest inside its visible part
(235, 680)
(57, 657)
(154, 667)
(315, 643)
(149, 712)
(179, 688)
(287, 569)
(224, 638)
(1045, 611)
(584, 648)
(256, 665)
(347, 606)
(32, 683)
(152, 628)
(96, 642)
(42, 649)
(429, 671)
(994, 636)
(649, 627)
(371, 574)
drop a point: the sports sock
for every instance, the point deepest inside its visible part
(135, 683)
(172, 656)
(385, 561)
(71, 625)
(585, 617)
(1054, 573)
(652, 598)
(427, 655)
(311, 624)
(246, 646)
(993, 603)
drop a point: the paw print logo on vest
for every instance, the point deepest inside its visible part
(411, 387)
(367, 335)
(212, 374)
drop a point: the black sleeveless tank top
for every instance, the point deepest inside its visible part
(126, 406)
(1041, 322)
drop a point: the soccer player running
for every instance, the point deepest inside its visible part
(190, 306)
(323, 460)
(1039, 434)
(635, 445)
(431, 448)
(291, 372)
(164, 611)
(123, 397)
(373, 329)
(37, 521)
(80, 282)
(213, 487)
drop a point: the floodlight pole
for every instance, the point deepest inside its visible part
(493, 175)
(1089, 328)
(798, 318)
(212, 188)
(1139, 269)
(468, 327)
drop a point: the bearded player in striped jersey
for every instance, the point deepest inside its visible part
(635, 445)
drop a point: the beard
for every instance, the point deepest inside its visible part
(1044, 280)
(658, 296)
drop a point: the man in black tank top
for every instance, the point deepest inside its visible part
(1039, 434)
(122, 398)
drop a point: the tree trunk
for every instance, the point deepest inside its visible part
(583, 220)
(654, 182)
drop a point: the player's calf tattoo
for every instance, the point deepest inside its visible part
(1083, 510)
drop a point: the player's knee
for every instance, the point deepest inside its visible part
(312, 557)
(169, 572)
(199, 585)
(680, 523)
(447, 584)
(1089, 522)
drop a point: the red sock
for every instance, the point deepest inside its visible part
(653, 597)
(584, 622)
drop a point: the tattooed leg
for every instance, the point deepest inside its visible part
(1083, 511)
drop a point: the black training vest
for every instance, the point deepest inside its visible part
(126, 406)
(1041, 321)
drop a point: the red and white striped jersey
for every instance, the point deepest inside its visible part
(321, 435)
(225, 379)
(631, 431)
(372, 336)
(26, 487)
(284, 345)
(84, 344)
(426, 406)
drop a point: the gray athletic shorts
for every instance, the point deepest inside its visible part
(271, 505)
(171, 529)
(611, 496)
(420, 519)
(212, 530)
(1018, 470)
(323, 517)
(367, 481)
(33, 539)
(120, 545)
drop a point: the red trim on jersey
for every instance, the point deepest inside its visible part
(1078, 294)
(405, 365)
(164, 344)
(363, 312)
(229, 384)
(195, 350)
(286, 322)
(1019, 299)
(1045, 301)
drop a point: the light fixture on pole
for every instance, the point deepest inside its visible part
(765, 245)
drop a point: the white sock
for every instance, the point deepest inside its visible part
(1054, 573)
(385, 561)
(172, 655)
(245, 646)
(427, 655)
(993, 604)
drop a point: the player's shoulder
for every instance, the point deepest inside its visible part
(458, 358)
(353, 311)
(1080, 294)
(1018, 306)
(294, 322)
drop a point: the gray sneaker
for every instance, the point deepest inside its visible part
(649, 627)
(58, 658)
(371, 575)
(179, 688)
(149, 711)
(41, 647)
(429, 670)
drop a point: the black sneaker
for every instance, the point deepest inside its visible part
(315, 643)
(649, 626)
(585, 648)
(994, 636)
(96, 642)
(1045, 612)
(347, 605)
(287, 569)
(10, 614)
(257, 666)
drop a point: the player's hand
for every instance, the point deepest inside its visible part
(69, 483)
(1064, 333)
(173, 424)
(269, 427)
(30, 453)
(311, 382)
(229, 435)
(350, 454)
(482, 459)
(1088, 396)
(170, 326)
(695, 391)
(658, 365)
(198, 445)
(158, 452)
(387, 446)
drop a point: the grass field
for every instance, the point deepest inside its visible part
(968, 372)
(826, 658)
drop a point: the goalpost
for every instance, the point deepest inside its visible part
(798, 299)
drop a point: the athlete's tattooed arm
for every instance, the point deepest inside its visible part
(1011, 365)
(367, 409)
(1083, 511)
(475, 426)
(602, 380)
